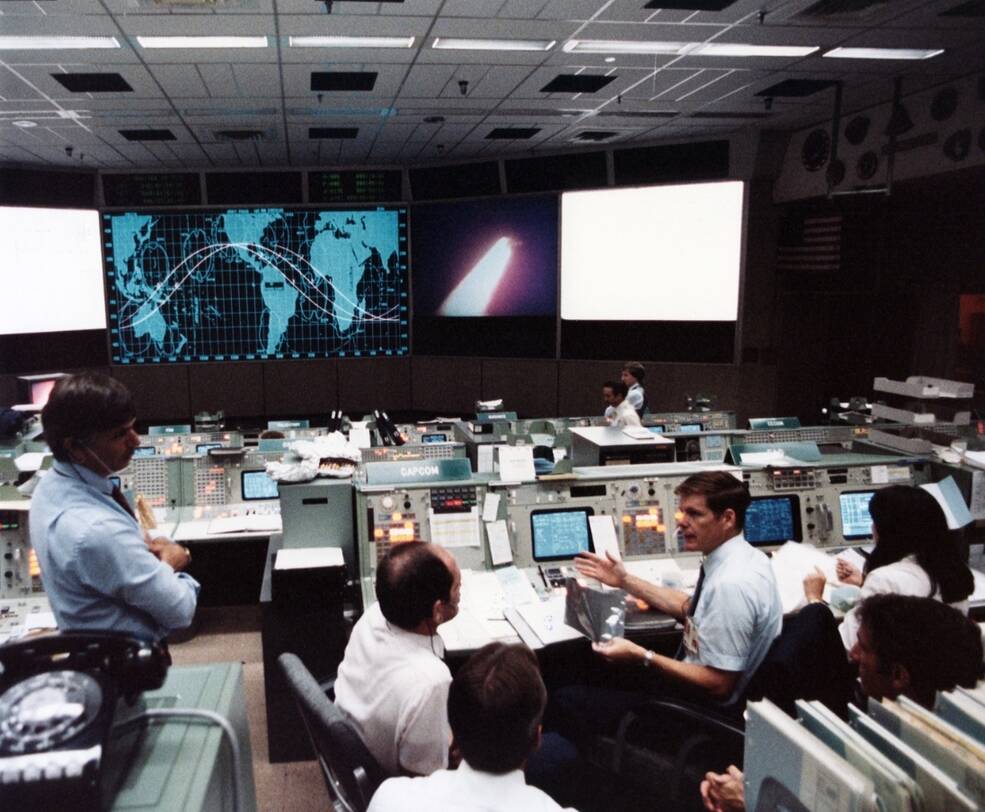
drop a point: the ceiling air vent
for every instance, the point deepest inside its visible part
(834, 10)
(241, 135)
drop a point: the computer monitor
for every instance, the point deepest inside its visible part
(560, 534)
(659, 429)
(689, 427)
(434, 438)
(773, 520)
(145, 451)
(856, 522)
(203, 448)
(258, 485)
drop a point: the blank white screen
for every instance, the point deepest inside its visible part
(51, 271)
(657, 253)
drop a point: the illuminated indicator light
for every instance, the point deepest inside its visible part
(397, 517)
(474, 294)
(662, 528)
(378, 533)
(653, 511)
(626, 519)
(33, 566)
(409, 525)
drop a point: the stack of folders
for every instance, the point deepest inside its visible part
(898, 757)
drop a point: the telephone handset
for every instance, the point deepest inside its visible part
(59, 697)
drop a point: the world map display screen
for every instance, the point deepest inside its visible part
(256, 284)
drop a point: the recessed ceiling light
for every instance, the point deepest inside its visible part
(24, 123)
(461, 44)
(882, 53)
(56, 43)
(623, 46)
(202, 42)
(610, 59)
(351, 42)
(739, 50)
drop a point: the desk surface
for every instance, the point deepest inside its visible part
(186, 765)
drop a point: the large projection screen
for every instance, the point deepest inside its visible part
(52, 277)
(657, 253)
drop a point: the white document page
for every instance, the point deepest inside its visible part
(499, 543)
(604, 536)
(455, 529)
(490, 507)
(516, 463)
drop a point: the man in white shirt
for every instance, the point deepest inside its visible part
(633, 373)
(618, 412)
(495, 705)
(392, 684)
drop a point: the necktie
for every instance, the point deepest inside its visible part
(121, 500)
(681, 650)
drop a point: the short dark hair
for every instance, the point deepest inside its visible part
(81, 405)
(721, 491)
(939, 647)
(409, 579)
(617, 387)
(910, 521)
(636, 369)
(495, 704)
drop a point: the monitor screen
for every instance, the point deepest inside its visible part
(258, 485)
(145, 451)
(495, 257)
(691, 428)
(251, 284)
(434, 438)
(856, 523)
(561, 534)
(773, 520)
(203, 448)
(657, 429)
(654, 242)
(56, 257)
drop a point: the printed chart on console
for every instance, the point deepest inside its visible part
(256, 284)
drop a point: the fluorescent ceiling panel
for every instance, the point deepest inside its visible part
(623, 46)
(882, 53)
(654, 253)
(740, 50)
(462, 44)
(56, 43)
(53, 277)
(202, 42)
(351, 42)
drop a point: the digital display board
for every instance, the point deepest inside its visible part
(355, 186)
(485, 258)
(255, 284)
(158, 189)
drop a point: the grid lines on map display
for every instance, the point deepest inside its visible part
(256, 284)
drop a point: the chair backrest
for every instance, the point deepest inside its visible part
(351, 772)
(807, 661)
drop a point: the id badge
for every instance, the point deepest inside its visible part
(691, 637)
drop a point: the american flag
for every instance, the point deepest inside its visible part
(809, 243)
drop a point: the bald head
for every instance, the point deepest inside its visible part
(418, 585)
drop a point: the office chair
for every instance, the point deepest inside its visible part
(351, 772)
(675, 742)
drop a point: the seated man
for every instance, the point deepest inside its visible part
(618, 411)
(735, 612)
(392, 684)
(495, 705)
(100, 570)
(898, 653)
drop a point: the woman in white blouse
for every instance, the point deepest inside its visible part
(915, 554)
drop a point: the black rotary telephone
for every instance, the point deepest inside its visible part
(59, 696)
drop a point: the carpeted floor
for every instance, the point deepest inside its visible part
(230, 633)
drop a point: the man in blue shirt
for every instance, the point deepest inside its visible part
(100, 570)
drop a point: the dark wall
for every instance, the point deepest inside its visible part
(892, 309)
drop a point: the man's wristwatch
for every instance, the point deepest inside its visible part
(647, 658)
